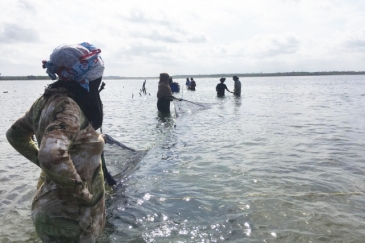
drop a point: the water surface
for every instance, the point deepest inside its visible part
(282, 163)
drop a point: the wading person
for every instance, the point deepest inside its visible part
(221, 87)
(69, 204)
(192, 84)
(237, 86)
(187, 83)
(164, 94)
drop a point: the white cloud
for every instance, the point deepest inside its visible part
(11, 33)
(143, 38)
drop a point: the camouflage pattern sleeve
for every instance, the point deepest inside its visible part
(20, 136)
(65, 119)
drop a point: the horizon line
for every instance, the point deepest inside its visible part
(261, 74)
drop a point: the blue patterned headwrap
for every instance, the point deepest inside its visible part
(80, 63)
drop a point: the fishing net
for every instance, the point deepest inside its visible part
(119, 160)
(186, 107)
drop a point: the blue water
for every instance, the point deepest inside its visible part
(282, 163)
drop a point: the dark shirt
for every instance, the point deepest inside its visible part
(192, 85)
(163, 105)
(220, 89)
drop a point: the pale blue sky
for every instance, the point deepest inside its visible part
(145, 38)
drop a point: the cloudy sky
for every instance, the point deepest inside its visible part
(145, 37)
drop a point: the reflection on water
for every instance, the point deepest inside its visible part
(237, 101)
(165, 120)
(282, 163)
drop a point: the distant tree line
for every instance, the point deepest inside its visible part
(30, 77)
(272, 74)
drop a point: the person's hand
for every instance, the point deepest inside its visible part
(81, 191)
(103, 137)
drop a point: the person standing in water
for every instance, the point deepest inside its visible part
(221, 87)
(237, 86)
(69, 205)
(164, 94)
(192, 84)
(187, 83)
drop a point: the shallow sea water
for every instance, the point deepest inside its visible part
(282, 163)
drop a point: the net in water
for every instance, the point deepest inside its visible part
(186, 107)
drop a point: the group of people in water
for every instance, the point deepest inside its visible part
(191, 84)
(59, 135)
(165, 95)
(221, 87)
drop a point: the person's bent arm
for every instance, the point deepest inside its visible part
(53, 155)
(171, 97)
(20, 136)
(227, 88)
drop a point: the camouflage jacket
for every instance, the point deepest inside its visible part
(69, 203)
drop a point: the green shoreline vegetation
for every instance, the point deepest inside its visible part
(241, 75)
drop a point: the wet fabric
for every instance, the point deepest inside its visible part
(164, 94)
(163, 105)
(80, 63)
(69, 203)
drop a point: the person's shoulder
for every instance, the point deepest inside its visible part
(61, 98)
(35, 109)
(163, 85)
(64, 104)
(38, 102)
